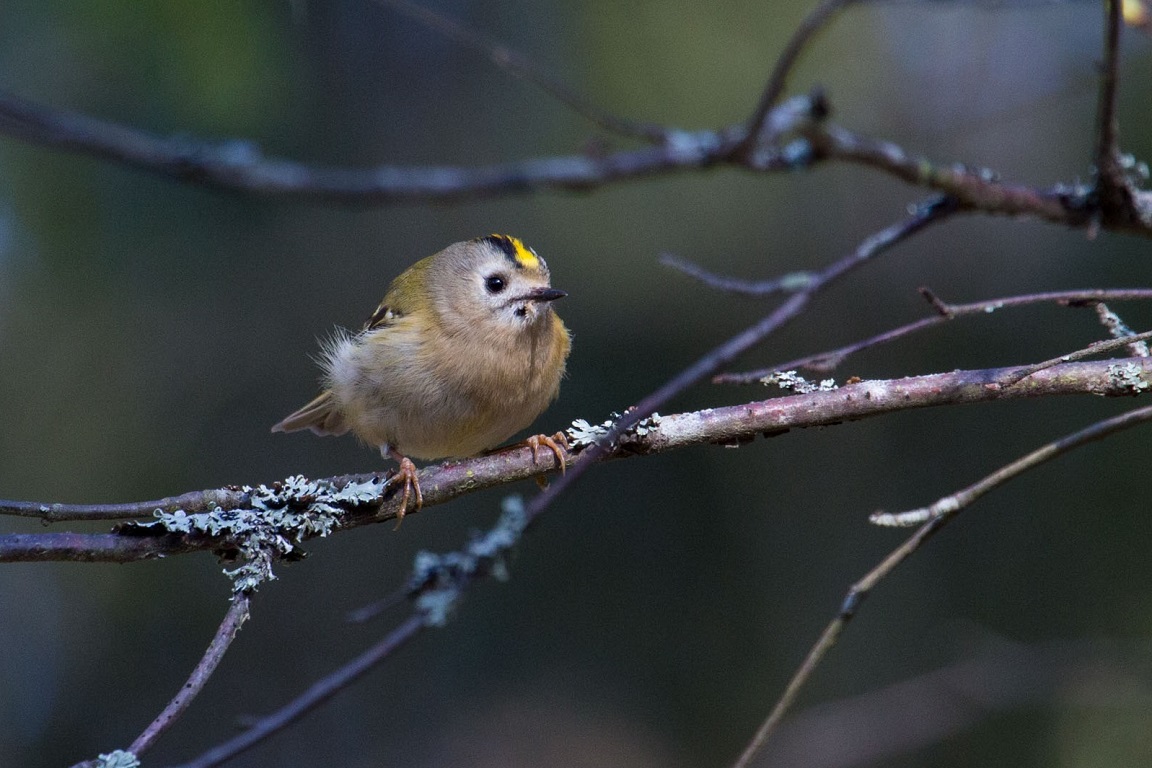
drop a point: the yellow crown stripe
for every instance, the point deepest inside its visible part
(516, 250)
(525, 255)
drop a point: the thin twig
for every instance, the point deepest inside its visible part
(863, 588)
(521, 67)
(953, 503)
(831, 359)
(789, 283)
(196, 501)
(1119, 329)
(368, 612)
(1111, 184)
(1095, 348)
(317, 694)
(815, 21)
(828, 638)
(233, 620)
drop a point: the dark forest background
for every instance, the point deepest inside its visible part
(151, 332)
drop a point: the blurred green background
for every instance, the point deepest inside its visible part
(152, 331)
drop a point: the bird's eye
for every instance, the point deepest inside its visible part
(495, 283)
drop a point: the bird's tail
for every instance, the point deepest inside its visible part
(321, 416)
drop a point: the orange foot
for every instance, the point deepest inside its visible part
(406, 474)
(558, 444)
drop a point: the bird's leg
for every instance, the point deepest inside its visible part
(405, 474)
(557, 443)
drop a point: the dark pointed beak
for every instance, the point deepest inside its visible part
(545, 294)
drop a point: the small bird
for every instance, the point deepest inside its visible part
(464, 351)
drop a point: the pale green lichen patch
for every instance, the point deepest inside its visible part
(793, 381)
(279, 517)
(645, 426)
(118, 759)
(583, 434)
(1129, 377)
(439, 579)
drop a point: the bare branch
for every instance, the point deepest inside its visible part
(974, 189)
(953, 503)
(92, 547)
(882, 725)
(831, 634)
(241, 166)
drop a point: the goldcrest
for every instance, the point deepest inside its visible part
(464, 351)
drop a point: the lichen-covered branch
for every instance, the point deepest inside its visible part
(274, 519)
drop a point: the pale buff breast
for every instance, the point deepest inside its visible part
(448, 397)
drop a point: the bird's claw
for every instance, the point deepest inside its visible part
(557, 443)
(406, 474)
